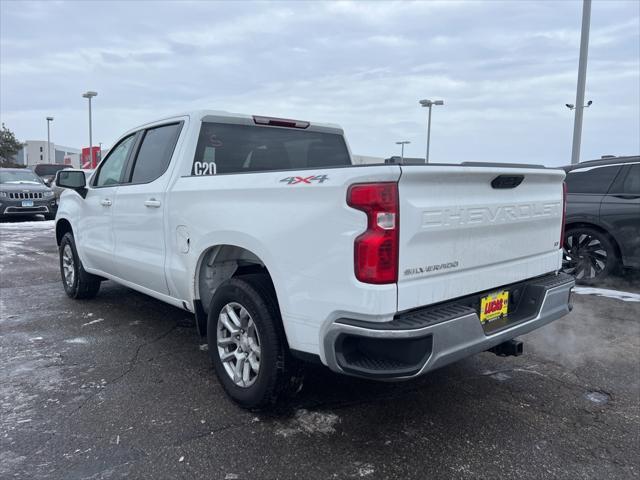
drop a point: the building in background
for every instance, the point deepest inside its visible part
(35, 152)
(68, 156)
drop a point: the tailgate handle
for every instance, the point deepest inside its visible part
(507, 181)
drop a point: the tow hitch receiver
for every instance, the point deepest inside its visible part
(510, 348)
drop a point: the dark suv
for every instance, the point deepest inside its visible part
(602, 229)
(23, 193)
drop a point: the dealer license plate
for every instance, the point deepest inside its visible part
(494, 305)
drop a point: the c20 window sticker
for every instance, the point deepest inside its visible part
(207, 166)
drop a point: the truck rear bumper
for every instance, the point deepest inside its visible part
(422, 340)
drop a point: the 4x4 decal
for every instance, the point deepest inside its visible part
(308, 180)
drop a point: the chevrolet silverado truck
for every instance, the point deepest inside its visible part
(286, 252)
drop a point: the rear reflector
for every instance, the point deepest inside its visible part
(376, 250)
(280, 122)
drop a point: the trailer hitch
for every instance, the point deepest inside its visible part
(510, 348)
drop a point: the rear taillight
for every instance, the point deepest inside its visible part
(376, 250)
(564, 212)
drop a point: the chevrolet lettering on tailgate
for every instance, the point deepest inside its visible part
(483, 215)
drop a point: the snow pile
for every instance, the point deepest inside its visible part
(310, 423)
(604, 292)
(36, 225)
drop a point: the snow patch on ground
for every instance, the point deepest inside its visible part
(309, 423)
(35, 225)
(604, 292)
(78, 340)
(598, 397)
(500, 376)
(97, 320)
(16, 240)
(365, 470)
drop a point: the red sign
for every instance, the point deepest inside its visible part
(90, 161)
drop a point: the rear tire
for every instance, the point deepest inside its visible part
(247, 343)
(589, 255)
(78, 284)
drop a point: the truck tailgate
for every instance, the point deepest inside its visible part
(459, 234)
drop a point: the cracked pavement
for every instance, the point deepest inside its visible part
(118, 387)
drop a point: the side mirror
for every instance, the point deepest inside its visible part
(73, 179)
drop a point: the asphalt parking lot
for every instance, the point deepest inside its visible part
(121, 386)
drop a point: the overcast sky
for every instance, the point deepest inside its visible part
(505, 70)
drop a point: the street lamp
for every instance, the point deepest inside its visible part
(582, 80)
(402, 144)
(49, 120)
(571, 106)
(429, 104)
(90, 95)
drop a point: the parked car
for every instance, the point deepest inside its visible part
(22, 192)
(58, 190)
(602, 231)
(286, 251)
(47, 171)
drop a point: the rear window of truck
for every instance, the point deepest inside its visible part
(226, 148)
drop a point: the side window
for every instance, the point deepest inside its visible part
(155, 153)
(596, 180)
(111, 168)
(631, 185)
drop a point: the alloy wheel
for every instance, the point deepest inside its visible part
(68, 266)
(584, 256)
(238, 343)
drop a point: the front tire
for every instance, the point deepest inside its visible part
(247, 343)
(78, 284)
(589, 255)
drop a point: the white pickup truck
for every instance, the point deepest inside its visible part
(285, 251)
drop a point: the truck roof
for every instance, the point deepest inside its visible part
(221, 115)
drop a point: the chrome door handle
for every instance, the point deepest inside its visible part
(152, 203)
(105, 202)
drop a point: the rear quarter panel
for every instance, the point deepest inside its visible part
(303, 233)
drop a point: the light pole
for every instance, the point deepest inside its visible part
(49, 120)
(429, 104)
(90, 95)
(582, 80)
(402, 144)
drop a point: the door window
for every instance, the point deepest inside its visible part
(595, 180)
(155, 153)
(112, 167)
(631, 185)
